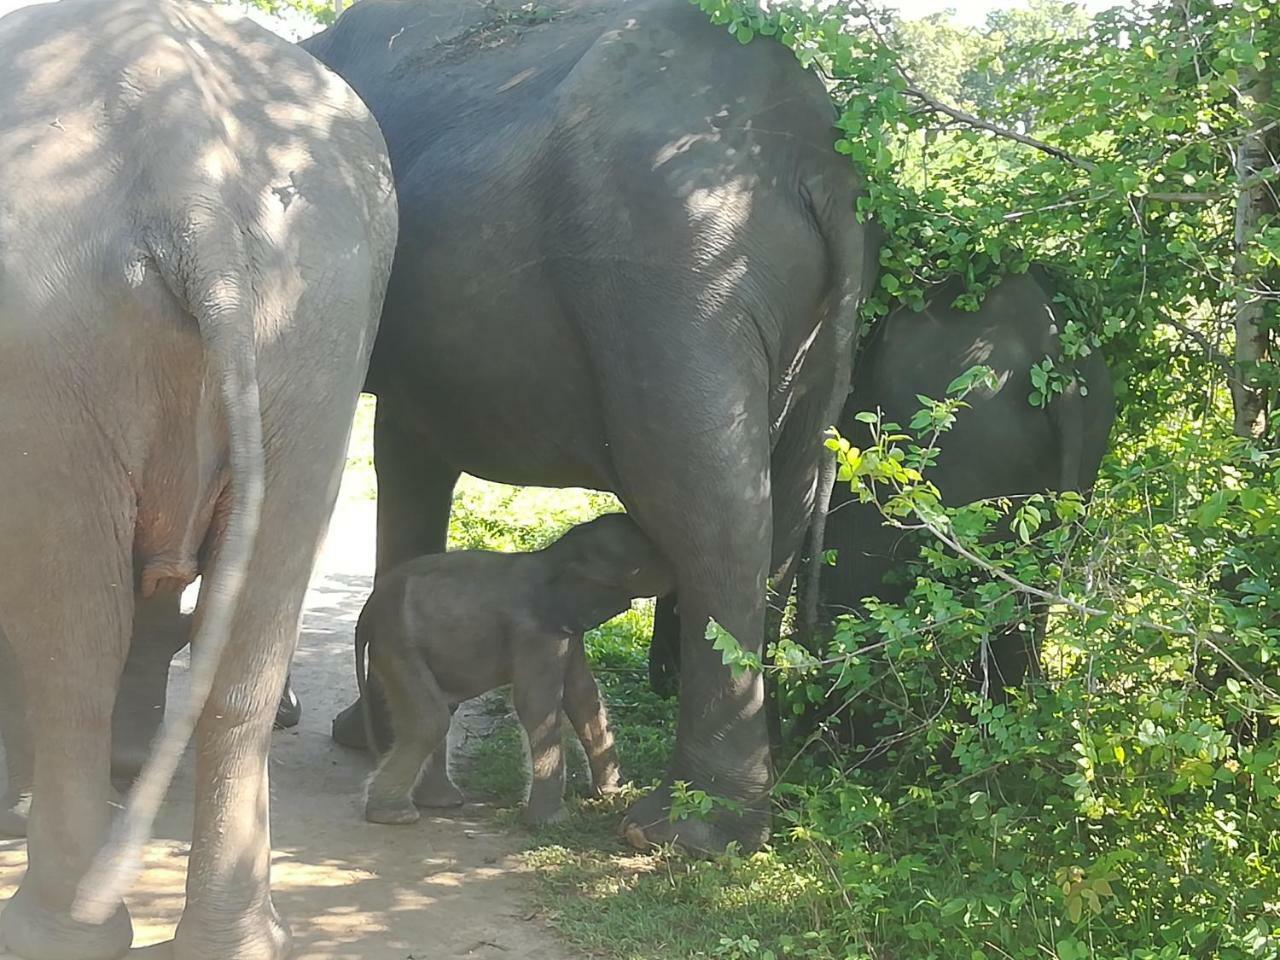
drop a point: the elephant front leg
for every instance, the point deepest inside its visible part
(15, 803)
(586, 711)
(160, 630)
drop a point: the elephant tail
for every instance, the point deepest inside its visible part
(204, 264)
(364, 633)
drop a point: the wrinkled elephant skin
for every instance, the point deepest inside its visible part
(196, 227)
(629, 260)
(1001, 446)
(523, 615)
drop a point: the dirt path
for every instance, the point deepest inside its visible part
(448, 887)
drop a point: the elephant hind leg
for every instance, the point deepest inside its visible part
(68, 617)
(436, 789)
(707, 506)
(419, 721)
(415, 494)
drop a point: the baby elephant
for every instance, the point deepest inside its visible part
(446, 627)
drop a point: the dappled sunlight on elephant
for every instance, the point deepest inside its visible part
(196, 228)
(1000, 446)
(629, 260)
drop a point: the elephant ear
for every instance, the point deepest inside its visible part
(576, 601)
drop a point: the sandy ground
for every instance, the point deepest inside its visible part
(446, 887)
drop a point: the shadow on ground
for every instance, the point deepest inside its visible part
(447, 887)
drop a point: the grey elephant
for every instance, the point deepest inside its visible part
(1001, 446)
(444, 628)
(629, 260)
(197, 223)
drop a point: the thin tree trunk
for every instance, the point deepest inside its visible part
(338, 6)
(1253, 340)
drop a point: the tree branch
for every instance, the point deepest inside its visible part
(1255, 179)
(1211, 351)
(1183, 197)
(1207, 637)
(937, 106)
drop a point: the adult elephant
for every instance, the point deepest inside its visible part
(1001, 446)
(197, 223)
(629, 260)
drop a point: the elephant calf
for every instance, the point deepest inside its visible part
(444, 628)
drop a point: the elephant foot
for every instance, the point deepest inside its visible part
(348, 727)
(544, 816)
(127, 761)
(648, 824)
(393, 813)
(34, 933)
(254, 935)
(608, 782)
(434, 795)
(13, 816)
(289, 710)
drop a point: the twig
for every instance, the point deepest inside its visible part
(937, 106)
(1211, 351)
(1064, 205)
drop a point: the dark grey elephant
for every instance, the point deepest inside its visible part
(1001, 447)
(629, 261)
(197, 223)
(443, 628)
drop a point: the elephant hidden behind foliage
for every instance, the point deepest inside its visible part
(1001, 446)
